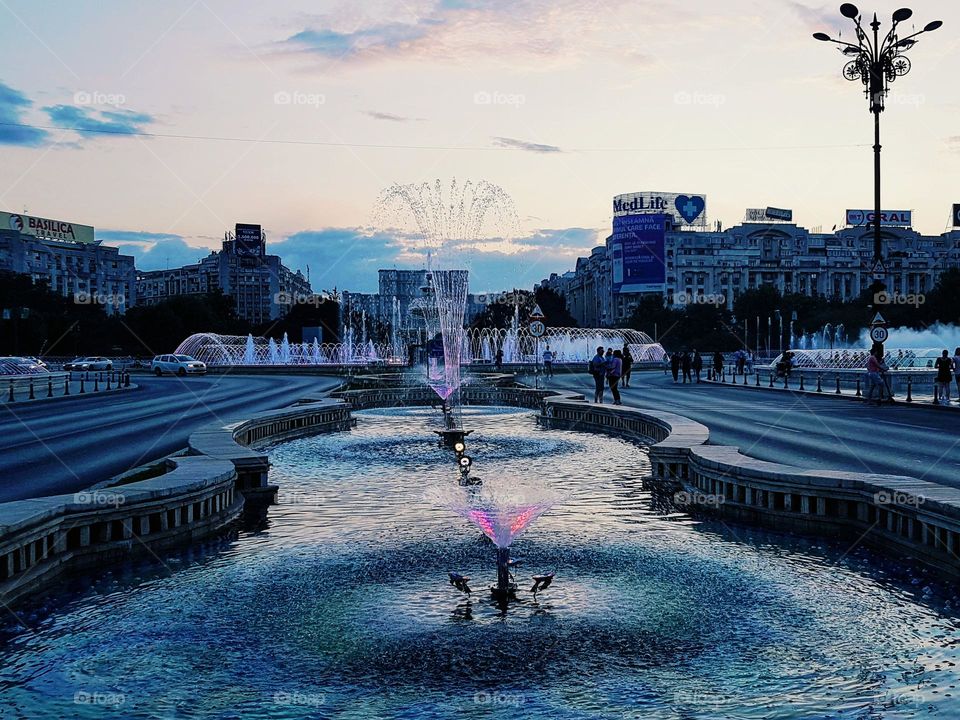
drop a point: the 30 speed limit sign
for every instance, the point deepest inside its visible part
(879, 334)
(537, 329)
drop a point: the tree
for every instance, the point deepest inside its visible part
(554, 306)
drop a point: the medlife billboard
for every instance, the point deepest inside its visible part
(638, 245)
(689, 210)
(47, 229)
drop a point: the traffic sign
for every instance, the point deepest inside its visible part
(879, 268)
(537, 328)
(879, 334)
(537, 313)
(878, 320)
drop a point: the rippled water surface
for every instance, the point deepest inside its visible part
(338, 604)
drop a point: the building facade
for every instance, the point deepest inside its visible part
(261, 286)
(713, 264)
(87, 272)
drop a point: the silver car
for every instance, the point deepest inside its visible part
(177, 364)
(94, 362)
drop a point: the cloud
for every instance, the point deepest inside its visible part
(390, 117)
(535, 33)
(154, 251)
(524, 145)
(13, 104)
(579, 239)
(818, 19)
(104, 121)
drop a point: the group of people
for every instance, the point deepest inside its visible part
(948, 371)
(878, 378)
(609, 369)
(690, 365)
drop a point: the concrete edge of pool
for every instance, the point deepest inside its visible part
(197, 492)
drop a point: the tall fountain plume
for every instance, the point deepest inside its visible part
(449, 219)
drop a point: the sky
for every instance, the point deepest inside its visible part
(164, 124)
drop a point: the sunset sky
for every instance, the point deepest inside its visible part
(296, 115)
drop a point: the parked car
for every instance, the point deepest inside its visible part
(94, 362)
(20, 366)
(178, 364)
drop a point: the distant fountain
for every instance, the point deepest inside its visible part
(249, 352)
(449, 220)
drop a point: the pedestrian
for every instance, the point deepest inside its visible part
(741, 362)
(956, 369)
(627, 365)
(499, 359)
(548, 362)
(675, 366)
(697, 365)
(598, 369)
(874, 381)
(944, 368)
(614, 371)
(717, 365)
(686, 362)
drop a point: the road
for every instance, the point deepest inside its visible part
(803, 430)
(62, 446)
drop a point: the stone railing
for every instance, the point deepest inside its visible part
(43, 537)
(898, 513)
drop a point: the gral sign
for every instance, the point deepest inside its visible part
(249, 239)
(45, 228)
(638, 253)
(688, 210)
(888, 218)
(768, 214)
(956, 215)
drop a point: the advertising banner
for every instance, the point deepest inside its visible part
(888, 218)
(46, 228)
(768, 214)
(638, 245)
(689, 210)
(249, 239)
(956, 215)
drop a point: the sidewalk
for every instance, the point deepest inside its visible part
(19, 393)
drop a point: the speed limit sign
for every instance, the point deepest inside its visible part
(879, 334)
(537, 328)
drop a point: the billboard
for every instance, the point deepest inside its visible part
(956, 215)
(46, 228)
(768, 214)
(249, 240)
(888, 218)
(689, 210)
(638, 253)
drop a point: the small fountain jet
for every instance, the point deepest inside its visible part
(541, 582)
(460, 582)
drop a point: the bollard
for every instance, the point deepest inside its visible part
(66, 386)
(96, 384)
(723, 375)
(786, 381)
(50, 387)
(32, 396)
(10, 399)
(126, 379)
(909, 388)
(838, 385)
(819, 384)
(82, 388)
(859, 394)
(108, 381)
(86, 374)
(801, 381)
(771, 379)
(757, 375)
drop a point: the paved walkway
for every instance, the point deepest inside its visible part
(803, 429)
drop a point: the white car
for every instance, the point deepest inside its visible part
(177, 364)
(94, 362)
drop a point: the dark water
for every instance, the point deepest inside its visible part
(338, 605)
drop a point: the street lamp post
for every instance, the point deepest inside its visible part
(876, 64)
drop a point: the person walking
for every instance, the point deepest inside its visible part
(675, 366)
(627, 365)
(548, 362)
(598, 369)
(614, 371)
(685, 363)
(956, 369)
(941, 389)
(717, 365)
(697, 365)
